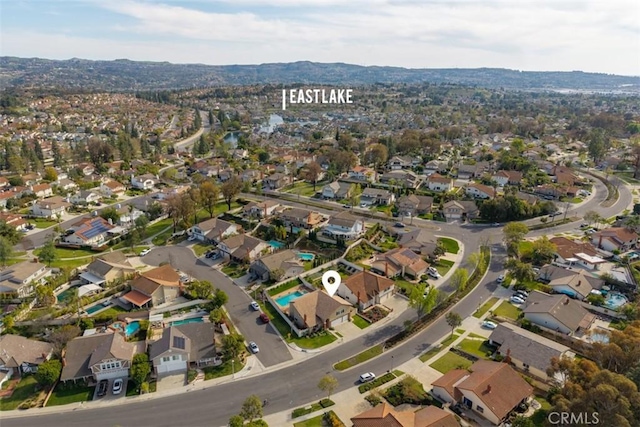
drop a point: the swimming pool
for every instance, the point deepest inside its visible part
(94, 308)
(66, 294)
(132, 328)
(615, 300)
(185, 321)
(276, 244)
(285, 300)
(305, 256)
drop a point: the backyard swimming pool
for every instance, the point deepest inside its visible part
(615, 300)
(285, 300)
(305, 256)
(276, 244)
(94, 308)
(185, 321)
(66, 294)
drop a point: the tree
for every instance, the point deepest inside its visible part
(377, 154)
(312, 172)
(453, 320)
(514, 233)
(49, 372)
(110, 213)
(50, 174)
(543, 251)
(328, 384)
(201, 289)
(209, 194)
(100, 152)
(141, 224)
(61, 336)
(251, 408)
(8, 322)
(236, 421)
(598, 145)
(591, 217)
(219, 298)
(232, 345)
(423, 299)
(521, 421)
(140, 368)
(216, 315)
(521, 271)
(474, 259)
(45, 295)
(48, 253)
(10, 233)
(6, 251)
(459, 279)
(230, 189)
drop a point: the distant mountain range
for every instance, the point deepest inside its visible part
(126, 75)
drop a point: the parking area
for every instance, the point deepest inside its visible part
(109, 392)
(171, 381)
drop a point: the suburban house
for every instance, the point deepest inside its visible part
(157, 286)
(214, 230)
(182, 347)
(576, 283)
(275, 181)
(20, 355)
(98, 357)
(90, 231)
(437, 182)
(86, 169)
(51, 208)
(317, 310)
(400, 261)
(284, 264)
(460, 209)
(406, 179)
(366, 289)
(376, 196)
(67, 185)
(110, 267)
(384, 415)
(13, 220)
(413, 205)
(572, 252)
(549, 192)
(337, 190)
(527, 350)
(112, 188)
(402, 162)
(243, 248)
(41, 190)
(615, 239)
(503, 177)
(300, 218)
(128, 215)
(361, 173)
(344, 225)
(557, 313)
(420, 241)
(85, 197)
(490, 389)
(22, 278)
(261, 209)
(479, 191)
(436, 166)
(465, 171)
(143, 182)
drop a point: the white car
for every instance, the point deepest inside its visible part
(117, 386)
(516, 300)
(500, 278)
(489, 324)
(369, 376)
(144, 252)
(192, 238)
(255, 306)
(253, 347)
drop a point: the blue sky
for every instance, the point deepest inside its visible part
(565, 35)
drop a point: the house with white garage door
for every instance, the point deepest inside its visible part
(98, 357)
(317, 310)
(191, 344)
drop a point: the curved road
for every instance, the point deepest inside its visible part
(295, 385)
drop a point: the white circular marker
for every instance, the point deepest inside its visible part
(331, 281)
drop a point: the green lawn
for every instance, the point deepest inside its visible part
(69, 393)
(284, 287)
(359, 358)
(234, 270)
(437, 349)
(70, 253)
(42, 223)
(112, 311)
(451, 361)
(443, 266)
(314, 342)
(404, 285)
(305, 188)
(162, 238)
(312, 422)
(360, 322)
(450, 245)
(157, 227)
(506, 309)
(70, 263)
(227, 368)
(25, 389)
(476, 347)
(219, 208)
(485, 307)
(201, 248)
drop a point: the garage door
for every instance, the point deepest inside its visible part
(340, 320)
(172, 367)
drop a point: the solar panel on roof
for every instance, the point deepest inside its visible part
(178, 342)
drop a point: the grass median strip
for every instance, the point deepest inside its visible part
(363, 388)
(324, 403)
(359, 358)
(437, 349)
(485, 307)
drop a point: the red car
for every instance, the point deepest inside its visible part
(264, 317)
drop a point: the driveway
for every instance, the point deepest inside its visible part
(171, 381)
(272, 349)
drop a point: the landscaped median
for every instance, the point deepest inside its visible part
(359, 358)
(324, 403)
(363, 388)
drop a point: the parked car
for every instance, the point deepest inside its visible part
(433, 273)
(346, 206)
(500, 278)
(192, 238)
(144, 252)
(520, 295)
(523, 292)
(117, 386)
(399, 225)
(369, 376)
(253, 347)
(102, 388)
(496, 224)
(264, 317)
(489, 324)
(255, 306)
(516, 300)
(584, 225)
(556, 213)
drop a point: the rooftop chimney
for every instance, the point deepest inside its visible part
(579, 282)
(488, 388)
(566, 301)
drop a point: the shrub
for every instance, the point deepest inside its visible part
(409, 390)
(373, 399)
(332, 419)
(325, 403)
